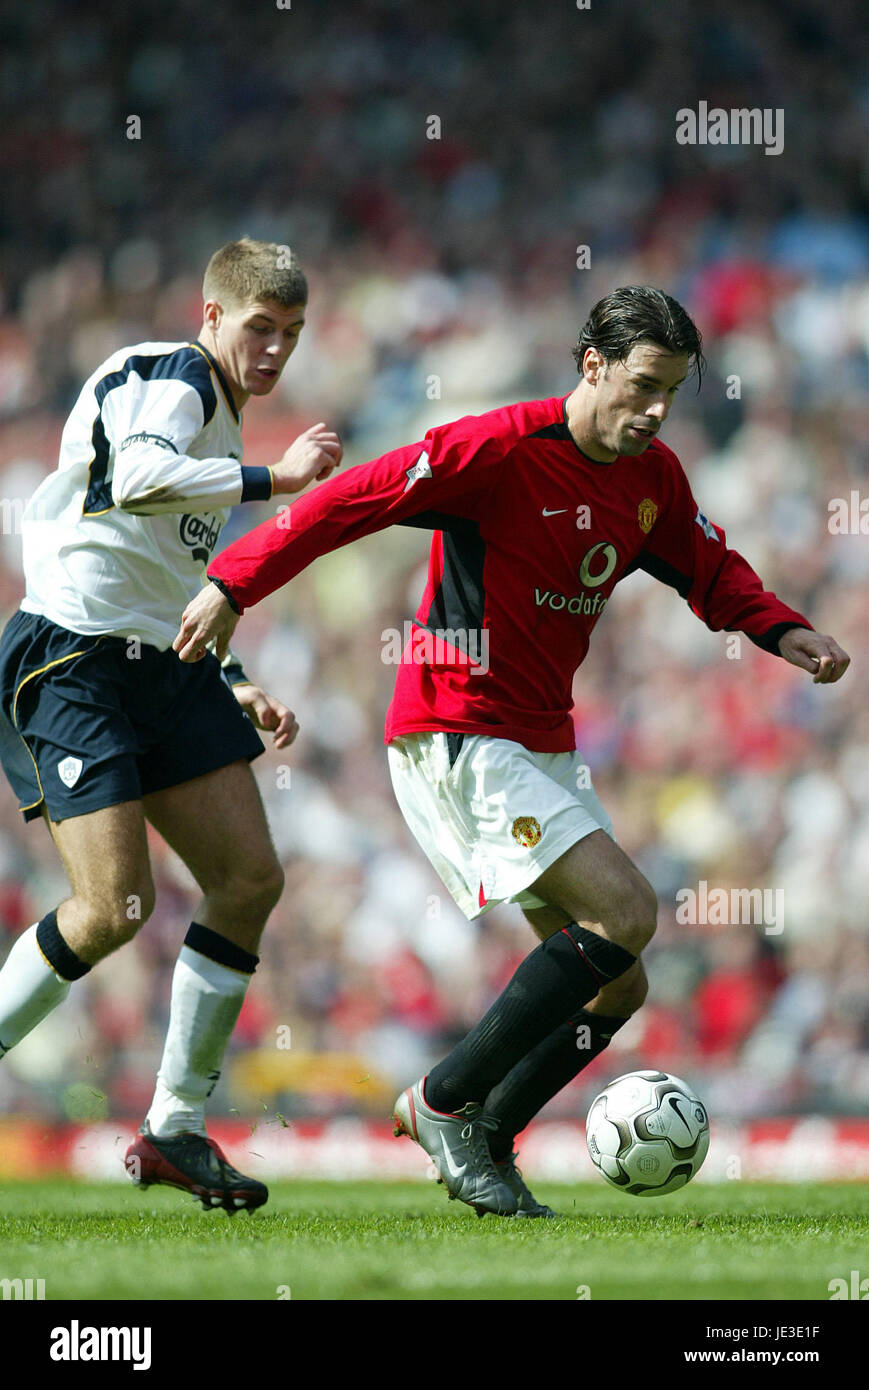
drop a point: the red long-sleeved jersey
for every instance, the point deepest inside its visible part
(531, 537)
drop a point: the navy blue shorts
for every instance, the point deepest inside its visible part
(85, 722)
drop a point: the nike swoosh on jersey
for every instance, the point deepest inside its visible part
(557, 512)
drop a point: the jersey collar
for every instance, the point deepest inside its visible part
(224, 384)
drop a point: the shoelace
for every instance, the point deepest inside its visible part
(474, 1136)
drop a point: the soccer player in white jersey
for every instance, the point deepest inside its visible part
(103, 729)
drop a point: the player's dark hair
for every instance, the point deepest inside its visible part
(246, 269)
(640, 314)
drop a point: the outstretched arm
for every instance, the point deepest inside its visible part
(690, 553)
(451, 472)
(364, 499)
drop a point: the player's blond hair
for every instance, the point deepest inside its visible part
(246, 270)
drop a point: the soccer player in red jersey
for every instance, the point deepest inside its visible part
(538, 511)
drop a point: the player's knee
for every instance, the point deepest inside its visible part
(253, 889)
(123, 913)
(633, 917)
(101, 924)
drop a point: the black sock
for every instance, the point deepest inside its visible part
(542, 1073)
(61, 957)
(556, 979)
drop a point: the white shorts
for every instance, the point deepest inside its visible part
(495, 818)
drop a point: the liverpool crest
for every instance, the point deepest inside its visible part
(69, 770)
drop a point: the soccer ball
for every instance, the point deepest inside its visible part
(647, 1133)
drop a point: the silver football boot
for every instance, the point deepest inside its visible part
(457, 1146)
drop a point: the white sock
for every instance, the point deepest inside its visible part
(206, 1001)
(29, 990)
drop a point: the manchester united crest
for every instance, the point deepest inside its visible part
(647, 513)
(527, 831)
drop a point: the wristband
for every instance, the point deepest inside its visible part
(256, 484)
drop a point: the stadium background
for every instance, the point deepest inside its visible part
(449, 266)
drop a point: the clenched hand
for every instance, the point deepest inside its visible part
(812, 651)
(313, 455)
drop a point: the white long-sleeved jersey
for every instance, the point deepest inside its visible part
(116, 540)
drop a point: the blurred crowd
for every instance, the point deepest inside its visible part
(438, 173)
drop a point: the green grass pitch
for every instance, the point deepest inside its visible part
(369, 1240)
